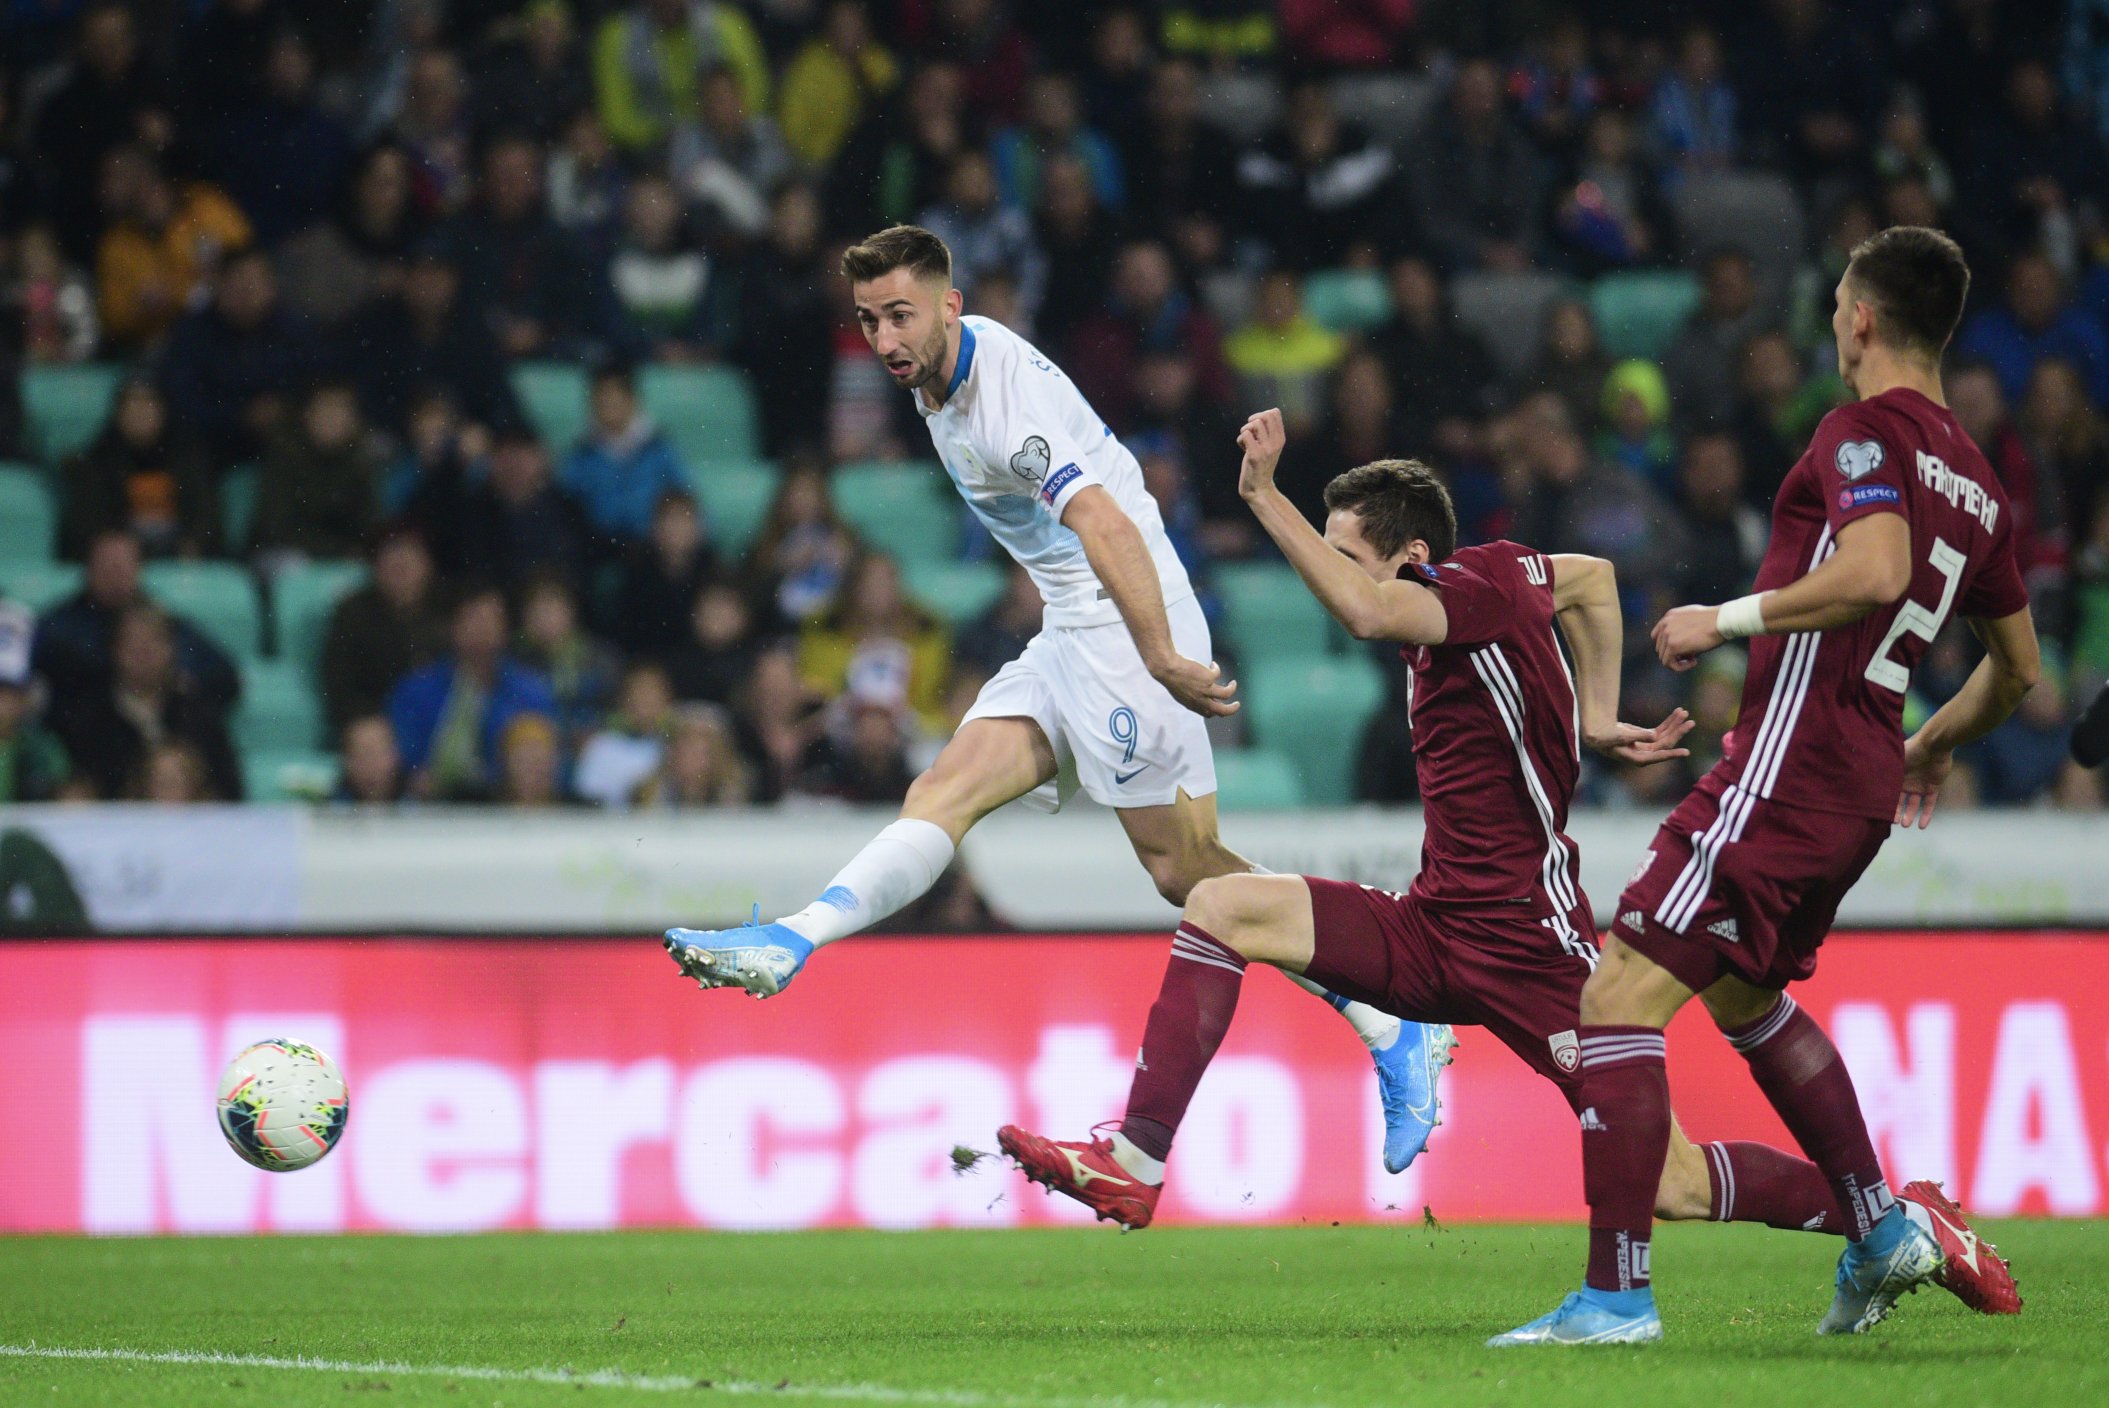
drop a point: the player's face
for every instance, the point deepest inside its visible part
(1844, 316)
(907, 321)
(1343, 530)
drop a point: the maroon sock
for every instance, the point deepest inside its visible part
(1758, 1183)
(1187, 1022)
(1801, 1074)
(1625, 1098)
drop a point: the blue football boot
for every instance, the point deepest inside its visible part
(762, 958)
(1873, 1273)
(1407, 1071)
(1591, 1317)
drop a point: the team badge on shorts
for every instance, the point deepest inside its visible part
(1566, 1050)
(1859, 458)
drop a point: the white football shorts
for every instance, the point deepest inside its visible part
(1114, 729)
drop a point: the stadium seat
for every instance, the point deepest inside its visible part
(1392, 107)
(302, 599)
(736, 495)
(955, 592)
(1269, 615)
(1347, 300)
(1257, 780)
(707, 411)
(1508, 313)
(1749, 210)
(1639, 314)
(279, 710)
(39, 585)
(65, 407)
(903, 509)
(1313, 712)
(288, 775)
(238, 507)
(218, 597)
(553, 394)
(29, 519)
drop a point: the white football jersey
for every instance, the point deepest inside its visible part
(1020, 441)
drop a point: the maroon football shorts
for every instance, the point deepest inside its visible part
(1501, 967)
(1735, 884)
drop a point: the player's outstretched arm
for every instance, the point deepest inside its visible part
(1114, 547)
(1993, 691)
(1585, 595)
(1371, 610)
(1870, 569)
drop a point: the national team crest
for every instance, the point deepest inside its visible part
(1859, 458)
(1032, 459)
(1566, 1050)
(1647, 859)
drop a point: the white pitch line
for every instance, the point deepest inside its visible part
(597, 1378)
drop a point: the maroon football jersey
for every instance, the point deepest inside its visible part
(1495, 736)
(1823, 712)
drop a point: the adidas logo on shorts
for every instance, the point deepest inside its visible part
(1634, 920)
(1725, 929)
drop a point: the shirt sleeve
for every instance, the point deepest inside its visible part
(1996, 589)
(1476, 602)
(1860, 469)
(1027, 439)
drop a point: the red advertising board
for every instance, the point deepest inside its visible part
(568, 1084)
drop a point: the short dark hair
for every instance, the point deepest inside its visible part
(1917, 279)
(1398, 501)
(909, 247)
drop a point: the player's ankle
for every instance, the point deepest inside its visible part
(1134, 1162)
(1636, 1301)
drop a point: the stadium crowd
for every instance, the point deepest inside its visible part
(1578, 258)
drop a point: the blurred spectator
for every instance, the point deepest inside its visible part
(587, 183)
(1384, 767)
(1370, 34)
(700, 765)
(2037, 321)
(1777, 410)
(2021, 760)
(1802, 70)
(112, 731)
(440, 457)
(433, 127)
(649, 62)
(172, 774)
(2068, 442)
(674, 305)
(1172, 420)
(518, 522)
(1115, 77)
(656, 586)
(581, 670)
(1317, 188)
(319, 490)
(221, 54)
(1146, 312)
(1165, 479)
(863, 756)
(161, 242)
(1473, 179)
(533, 77)
(1441, 370)
(423, 338)
(53, 304)
(1692, 119)
(336, 266)
(626, 463)
(230, 366)
(878, 641)
(789, 304)
(1905, 150)
(714, 659)
(779, 719)
(1556, 87)
(627, 750)
(1079, 239)
(1359, 426)
(450, 716)
(1219, 33)
(530, 763)
(1054, 127)
(1611, 216)
(999, 635)
(2028, 165)
(278, 153)
(392, 625)
(985, 235)
(1702, 361)
(1981, 410)
(33, 763)
(1281, 356)
(1636, 434)
(836, 77)
(75, 639)
(369, 766)
(1184, 168)
(731, 159)
(144, 477)
(983, 39)
(108, 95)
(897, 160)
(1571, 362)
(519, 269)
(1728, 534)
(803, 549)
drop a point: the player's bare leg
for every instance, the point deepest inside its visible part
(1180, 846)
(989, 762)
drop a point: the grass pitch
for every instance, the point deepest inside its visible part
(1026, 1319)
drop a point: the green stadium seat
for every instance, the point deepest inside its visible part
(708, 411)
(907, 510)
(1257, 780)
(1639, 314)
(29, 519)
(1313, 712)
(553, 394)
(279, 710)
(66, 406)
(1269, 614)
(302, 599)
(218, 597)
(39, 585)
(238, 507)
(736, 495)
(955, 592)
(288, 775)
(1347, 300)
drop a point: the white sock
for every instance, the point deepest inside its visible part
(1135, 1161)
(895, 868)
(1378, 1030)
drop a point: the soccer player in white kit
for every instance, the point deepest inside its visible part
(1117, 684)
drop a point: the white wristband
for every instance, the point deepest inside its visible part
(1739, 618)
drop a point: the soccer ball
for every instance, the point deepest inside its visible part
(282, 1105)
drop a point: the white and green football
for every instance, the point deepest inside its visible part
(282, 1105)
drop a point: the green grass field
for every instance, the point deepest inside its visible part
(1301, 1316)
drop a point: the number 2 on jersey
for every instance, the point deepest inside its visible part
(1918, 620)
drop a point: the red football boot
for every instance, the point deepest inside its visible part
(1973, 1271)
(1086, 1172)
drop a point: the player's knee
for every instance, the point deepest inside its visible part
(937, 796)
(1172, 876)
